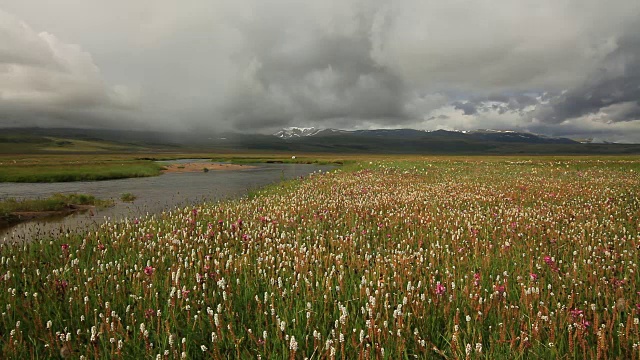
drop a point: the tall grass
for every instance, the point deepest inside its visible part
(390, 260)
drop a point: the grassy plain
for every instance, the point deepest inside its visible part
(87, 167)
(20, 144)
(480, 258)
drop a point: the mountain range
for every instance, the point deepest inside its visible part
(309, 139)
(477, 135)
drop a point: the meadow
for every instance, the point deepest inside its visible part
(60, 168)
(434, 258)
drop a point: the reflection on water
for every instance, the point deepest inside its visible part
(154, 194)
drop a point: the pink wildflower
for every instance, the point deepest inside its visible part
(440, 289)
(576, 313)
(149, 270)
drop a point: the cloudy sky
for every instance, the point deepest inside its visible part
(557, 67)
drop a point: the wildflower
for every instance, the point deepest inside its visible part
(476, 279)
(149, 270)
(575, 313)
(440, 289)
(61, 286)
(533, 276)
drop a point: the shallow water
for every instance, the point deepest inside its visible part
(154, 194)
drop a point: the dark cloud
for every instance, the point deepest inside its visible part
(467, 107)
(44, 81)
(613, 89)
(324, 78)
(498, 102)
(254, 65)
(439, 117)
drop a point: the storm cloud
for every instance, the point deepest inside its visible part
(51, 82)
(612, 91)
(253, 65)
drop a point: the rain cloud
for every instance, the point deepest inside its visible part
(257, 66)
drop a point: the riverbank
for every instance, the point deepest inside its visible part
(50, 168)
(22, 216)
(153, 195)
(14, 211)
(202, 167)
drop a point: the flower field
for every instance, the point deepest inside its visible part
(486, 258)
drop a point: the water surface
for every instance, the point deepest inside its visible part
(154, 194)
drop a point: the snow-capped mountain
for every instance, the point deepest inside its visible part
(509, 136)
(293, 132)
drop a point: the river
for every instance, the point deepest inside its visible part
(153, 195)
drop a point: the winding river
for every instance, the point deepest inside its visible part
(153, 195)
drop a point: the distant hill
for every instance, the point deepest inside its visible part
(297, 139)
(477, 135)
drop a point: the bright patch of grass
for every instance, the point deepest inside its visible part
(69, 171)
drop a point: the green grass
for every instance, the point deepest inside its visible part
(23, 143)
(127, 197)
(81, 171)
